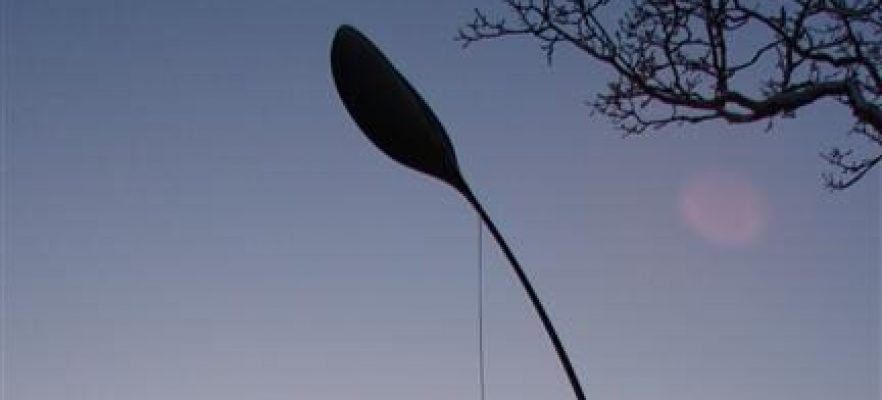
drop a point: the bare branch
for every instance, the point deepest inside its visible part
(675, 62)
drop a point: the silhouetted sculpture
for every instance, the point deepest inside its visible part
(397, 120)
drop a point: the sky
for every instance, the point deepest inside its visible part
(189, 213)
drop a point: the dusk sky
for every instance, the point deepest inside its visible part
(190, 213)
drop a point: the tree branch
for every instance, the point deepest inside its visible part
(675, 65)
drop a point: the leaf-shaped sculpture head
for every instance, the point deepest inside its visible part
(388, 109)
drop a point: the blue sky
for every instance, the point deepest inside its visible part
(191, 214)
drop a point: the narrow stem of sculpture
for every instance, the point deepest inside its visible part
(531, 293)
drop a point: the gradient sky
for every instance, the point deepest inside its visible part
(191, 214)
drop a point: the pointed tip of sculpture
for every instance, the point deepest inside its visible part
(346, 29)
(346, 33)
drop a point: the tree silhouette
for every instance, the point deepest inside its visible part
(684, 61)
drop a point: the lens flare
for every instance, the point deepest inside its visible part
(724, 208)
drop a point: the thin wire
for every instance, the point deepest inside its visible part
(481, 375)
(5, 101)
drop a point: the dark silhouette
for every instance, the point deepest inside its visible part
(690, 61)
(398, 121)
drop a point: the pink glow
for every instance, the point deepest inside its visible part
(724, 208)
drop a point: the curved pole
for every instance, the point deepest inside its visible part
(528, 287)
(400, 123)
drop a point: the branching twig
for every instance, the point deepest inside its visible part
(674, 59)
